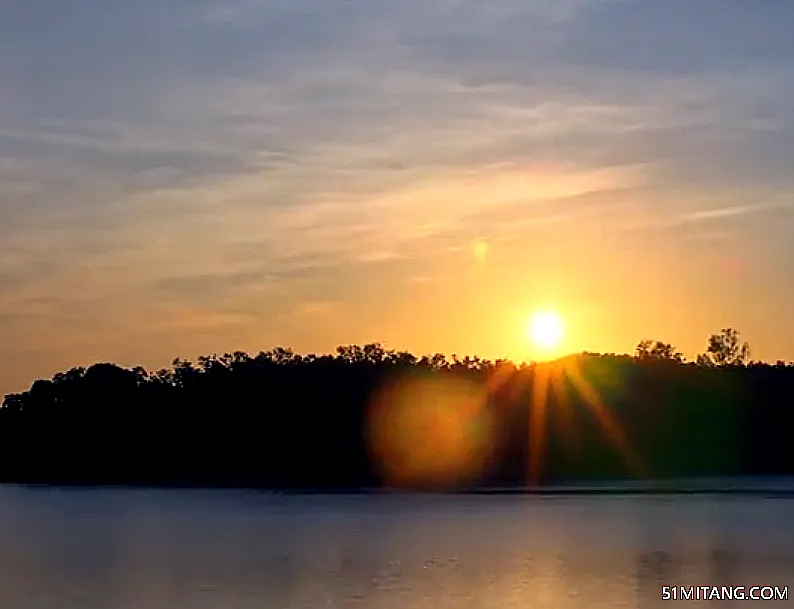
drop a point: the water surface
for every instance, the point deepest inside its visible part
(176, 549)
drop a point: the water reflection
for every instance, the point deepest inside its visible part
(196, 550)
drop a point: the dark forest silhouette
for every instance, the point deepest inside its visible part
(371, 417)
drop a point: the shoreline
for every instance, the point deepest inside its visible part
(770, 486)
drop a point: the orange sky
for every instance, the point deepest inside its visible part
(427, 180)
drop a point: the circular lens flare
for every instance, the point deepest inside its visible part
(430, 433)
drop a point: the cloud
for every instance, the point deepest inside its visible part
(675, 37)
(724, 212)
(711, 216)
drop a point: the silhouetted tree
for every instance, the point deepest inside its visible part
(704, 361)
(654, 349)
(284, 420)
(726, 349)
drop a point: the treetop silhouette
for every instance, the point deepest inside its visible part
(368, 416)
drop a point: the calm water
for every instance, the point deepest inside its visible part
(134, 549)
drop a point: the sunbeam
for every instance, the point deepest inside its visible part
(550, 391)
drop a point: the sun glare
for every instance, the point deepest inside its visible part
(546, 330)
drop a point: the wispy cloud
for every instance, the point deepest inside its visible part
(724, 212)
(710, 214)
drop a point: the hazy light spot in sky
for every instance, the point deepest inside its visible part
(481, 249)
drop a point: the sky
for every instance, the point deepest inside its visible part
(187, 177)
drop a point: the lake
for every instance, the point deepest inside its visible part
(180, 549)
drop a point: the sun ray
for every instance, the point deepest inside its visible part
(548, 390)
(607, 421)
(564, 410)
(537, 423)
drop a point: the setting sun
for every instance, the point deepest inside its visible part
(546, 329)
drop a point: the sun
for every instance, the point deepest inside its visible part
(546, 330)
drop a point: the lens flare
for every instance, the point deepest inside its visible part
(430, 433)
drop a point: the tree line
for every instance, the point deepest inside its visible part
(371, 417)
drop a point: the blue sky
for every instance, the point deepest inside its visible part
(185, 177)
